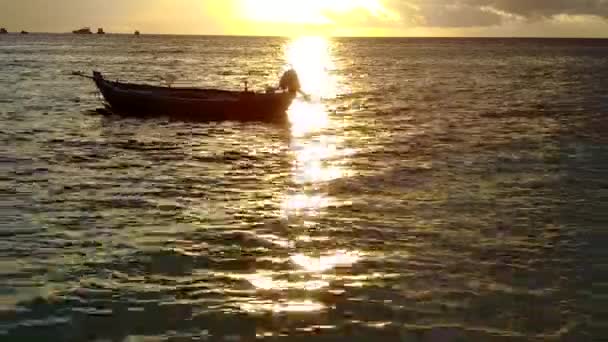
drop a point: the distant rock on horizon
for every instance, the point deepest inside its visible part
(84, 30)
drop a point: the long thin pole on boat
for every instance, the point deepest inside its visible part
(78, 73)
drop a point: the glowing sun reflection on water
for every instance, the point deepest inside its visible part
(311, 148)
(316, 152)
(311, 205)
(311, 58)
(263, 282)
(307, 117)
(282, 307)
(327, 262)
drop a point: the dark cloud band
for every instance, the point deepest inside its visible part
(466, 13)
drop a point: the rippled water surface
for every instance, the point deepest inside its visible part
(431, 190)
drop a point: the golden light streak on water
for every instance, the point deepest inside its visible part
(326, 262)
(284, 307)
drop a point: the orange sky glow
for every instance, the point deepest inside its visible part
(540, 18)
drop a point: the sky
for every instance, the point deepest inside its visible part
(420, 18)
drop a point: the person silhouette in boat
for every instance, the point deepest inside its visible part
(291, 82)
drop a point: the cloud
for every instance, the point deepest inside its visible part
(483, 13)
(546, 8)
(364, 17)
(458, 15)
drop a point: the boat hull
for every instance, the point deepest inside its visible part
(193, 104)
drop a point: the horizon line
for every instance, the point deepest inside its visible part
(315, 35)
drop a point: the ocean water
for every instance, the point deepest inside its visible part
(431, 190)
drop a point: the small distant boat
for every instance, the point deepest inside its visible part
(100, 31)
(24, 32)
(137, 33)
(195, 104)
(3, 31)
(84, 30)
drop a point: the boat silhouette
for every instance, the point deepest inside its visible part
(196, 104)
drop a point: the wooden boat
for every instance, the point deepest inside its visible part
(100, 31)
(3, 31)
(24, 32)
(137, 33)
(195, 104)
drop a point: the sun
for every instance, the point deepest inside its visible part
(315, 12)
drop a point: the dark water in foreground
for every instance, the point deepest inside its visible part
(434, 190)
